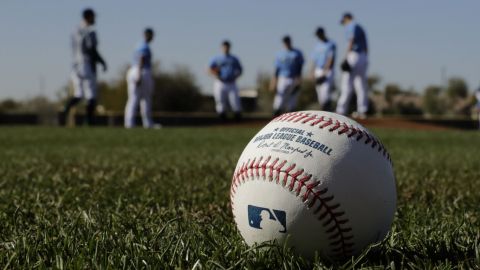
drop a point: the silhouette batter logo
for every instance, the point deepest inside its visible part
(267, 219)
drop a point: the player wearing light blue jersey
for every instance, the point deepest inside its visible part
(322, 70)
(140, 83)
(84, 74)
(288, 73)
(354, 68)
(226, 68)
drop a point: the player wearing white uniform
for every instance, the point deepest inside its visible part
(286, 82)
(354, 68)
(84, 74)
(140, 84)
(323, 57)
(226, 69)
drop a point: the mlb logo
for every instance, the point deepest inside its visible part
(267, 219)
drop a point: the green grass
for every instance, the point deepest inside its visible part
(115, 199)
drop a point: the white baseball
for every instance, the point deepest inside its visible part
(316, 180)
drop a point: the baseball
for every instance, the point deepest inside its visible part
(317, 181)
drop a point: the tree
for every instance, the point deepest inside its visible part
(433, 103)
(176, 91)
(391, 90)
(9, 105)
(372, 82)
(308, 95)
(457, 89)
(265, 96)
(112, 96)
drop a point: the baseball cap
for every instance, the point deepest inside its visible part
(320, 31)
(88, 12)
(346, 15)
(226, 42)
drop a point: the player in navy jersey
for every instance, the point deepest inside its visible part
(286, 81)
(226, 68)
(84, 74)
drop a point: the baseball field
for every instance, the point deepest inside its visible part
(159, 199)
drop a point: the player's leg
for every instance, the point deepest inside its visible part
(323, 95)
(221, 99)
(294, 92)
(91, 96)
(361, 87)
(345, 94)
(91, 106)
(78, 91)
(323, 87)
(347, 84)
(132, 101)
(77, 83)
(234, 100)
(280, 98)
(146, 101)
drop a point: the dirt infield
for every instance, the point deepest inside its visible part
(250, 120)
(386, 122)
(399, 123)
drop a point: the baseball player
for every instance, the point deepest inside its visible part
(86, 57)
(226, 69)
(477, 95)
(323, 57)
(140, 83)
(286, 82)
(354, 68)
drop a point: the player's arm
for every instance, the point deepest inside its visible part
(328, 64)
(301, 62)
(350, 45)
(239, 69)
(213, 68)
(97, 58)
(298, 72)
(350, 37)
(141, 65)
(273, 81)
(213, 71)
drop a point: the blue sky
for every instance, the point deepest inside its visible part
(410, 41)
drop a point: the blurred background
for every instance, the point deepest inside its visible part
(423, 57)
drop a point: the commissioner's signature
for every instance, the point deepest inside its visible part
(286, 148)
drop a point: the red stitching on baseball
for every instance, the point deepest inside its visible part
(333, 124)
(329, 214)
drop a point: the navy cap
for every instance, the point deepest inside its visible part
(345, 16)
(320, 31)
(88, 12)
(226, 42)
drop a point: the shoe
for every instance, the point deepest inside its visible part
(358, 115)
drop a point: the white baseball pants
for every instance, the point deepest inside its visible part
(355, 79)
(139, 95)
(324, 89)
(225, 94)
(84, 81)
(285, 96)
